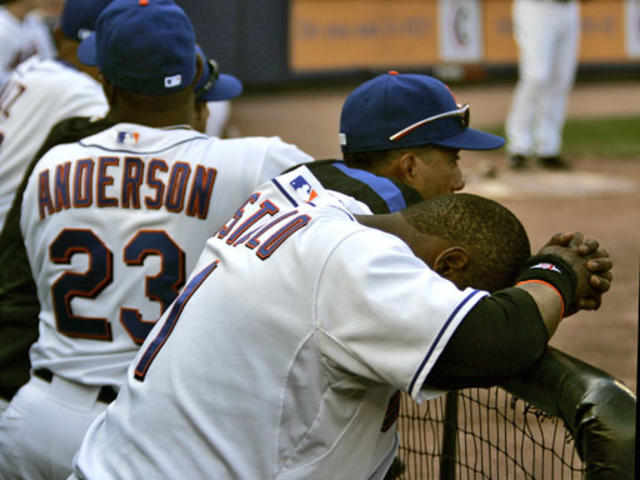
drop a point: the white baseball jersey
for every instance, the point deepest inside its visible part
(114, 224)
(39, 94)
(219, 113)
(20, 40)
(283, 353)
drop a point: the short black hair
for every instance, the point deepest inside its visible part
(367, 160)
(377, 160)
(496, 240)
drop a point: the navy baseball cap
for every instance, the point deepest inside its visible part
(143, 46)
(213, 85)
(78, 17)
(395, 110)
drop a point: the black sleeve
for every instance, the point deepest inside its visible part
(500, 338)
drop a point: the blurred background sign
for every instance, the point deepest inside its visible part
(281, 40)
(339, 34)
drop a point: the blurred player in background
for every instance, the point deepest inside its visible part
(39, 94)
(219, 123)
(23, 33)
(113, 224)
(547, 33)
(305, 385)
(408, 128)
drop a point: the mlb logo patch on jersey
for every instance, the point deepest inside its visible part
(128, 138)
(547, 266)
(303, 189)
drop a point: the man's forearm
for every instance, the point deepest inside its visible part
(501, 337)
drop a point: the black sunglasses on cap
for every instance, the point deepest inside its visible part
(214, 73)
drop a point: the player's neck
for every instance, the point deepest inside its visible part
(151, 110)
(392, 223)
(156, 118)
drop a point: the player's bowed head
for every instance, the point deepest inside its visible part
(474, 241)
(470, 240)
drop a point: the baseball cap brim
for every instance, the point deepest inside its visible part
(226, 87)
(472, 139)
(87, 50)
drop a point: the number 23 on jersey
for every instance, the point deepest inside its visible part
(162, 288)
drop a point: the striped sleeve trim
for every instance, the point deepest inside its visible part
(442, 338)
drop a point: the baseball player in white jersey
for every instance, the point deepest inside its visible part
(114, 223)
(547, 33)
(220, 113)
(39, 94)
(283, 354)
(23, 33)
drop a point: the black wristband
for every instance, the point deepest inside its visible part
(554, 270)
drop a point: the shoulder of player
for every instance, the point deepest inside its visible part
(7, 19)
(352, 240)
(45, 78)
(262, 142)
(9, 37)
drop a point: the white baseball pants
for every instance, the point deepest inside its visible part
(547, 33)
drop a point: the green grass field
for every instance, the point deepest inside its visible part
(610, 136)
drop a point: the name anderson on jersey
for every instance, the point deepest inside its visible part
(82, 183)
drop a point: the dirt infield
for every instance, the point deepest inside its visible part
(600, 197)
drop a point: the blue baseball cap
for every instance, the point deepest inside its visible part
(78, 17)
(213, 85)
(395, 110)
(143, 46)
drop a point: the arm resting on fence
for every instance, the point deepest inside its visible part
(599, 411)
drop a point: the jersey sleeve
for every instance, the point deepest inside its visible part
(382, 314)
(86, 99)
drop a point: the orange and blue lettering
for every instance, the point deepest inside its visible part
(201, 192)
(155, 165)
(275, 240)
(177, 186)
(82, 192)
(266, 208)
(105, 181)
(61, 187)
(44, 195)
(225, 229)
(131, 181)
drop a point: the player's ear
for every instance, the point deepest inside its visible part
(405, 168)
(451, 264)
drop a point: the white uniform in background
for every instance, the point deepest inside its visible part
(21, 40)
(283, 356)
(113, 225)
(548, 34)
(39, 94)
(219, 114)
